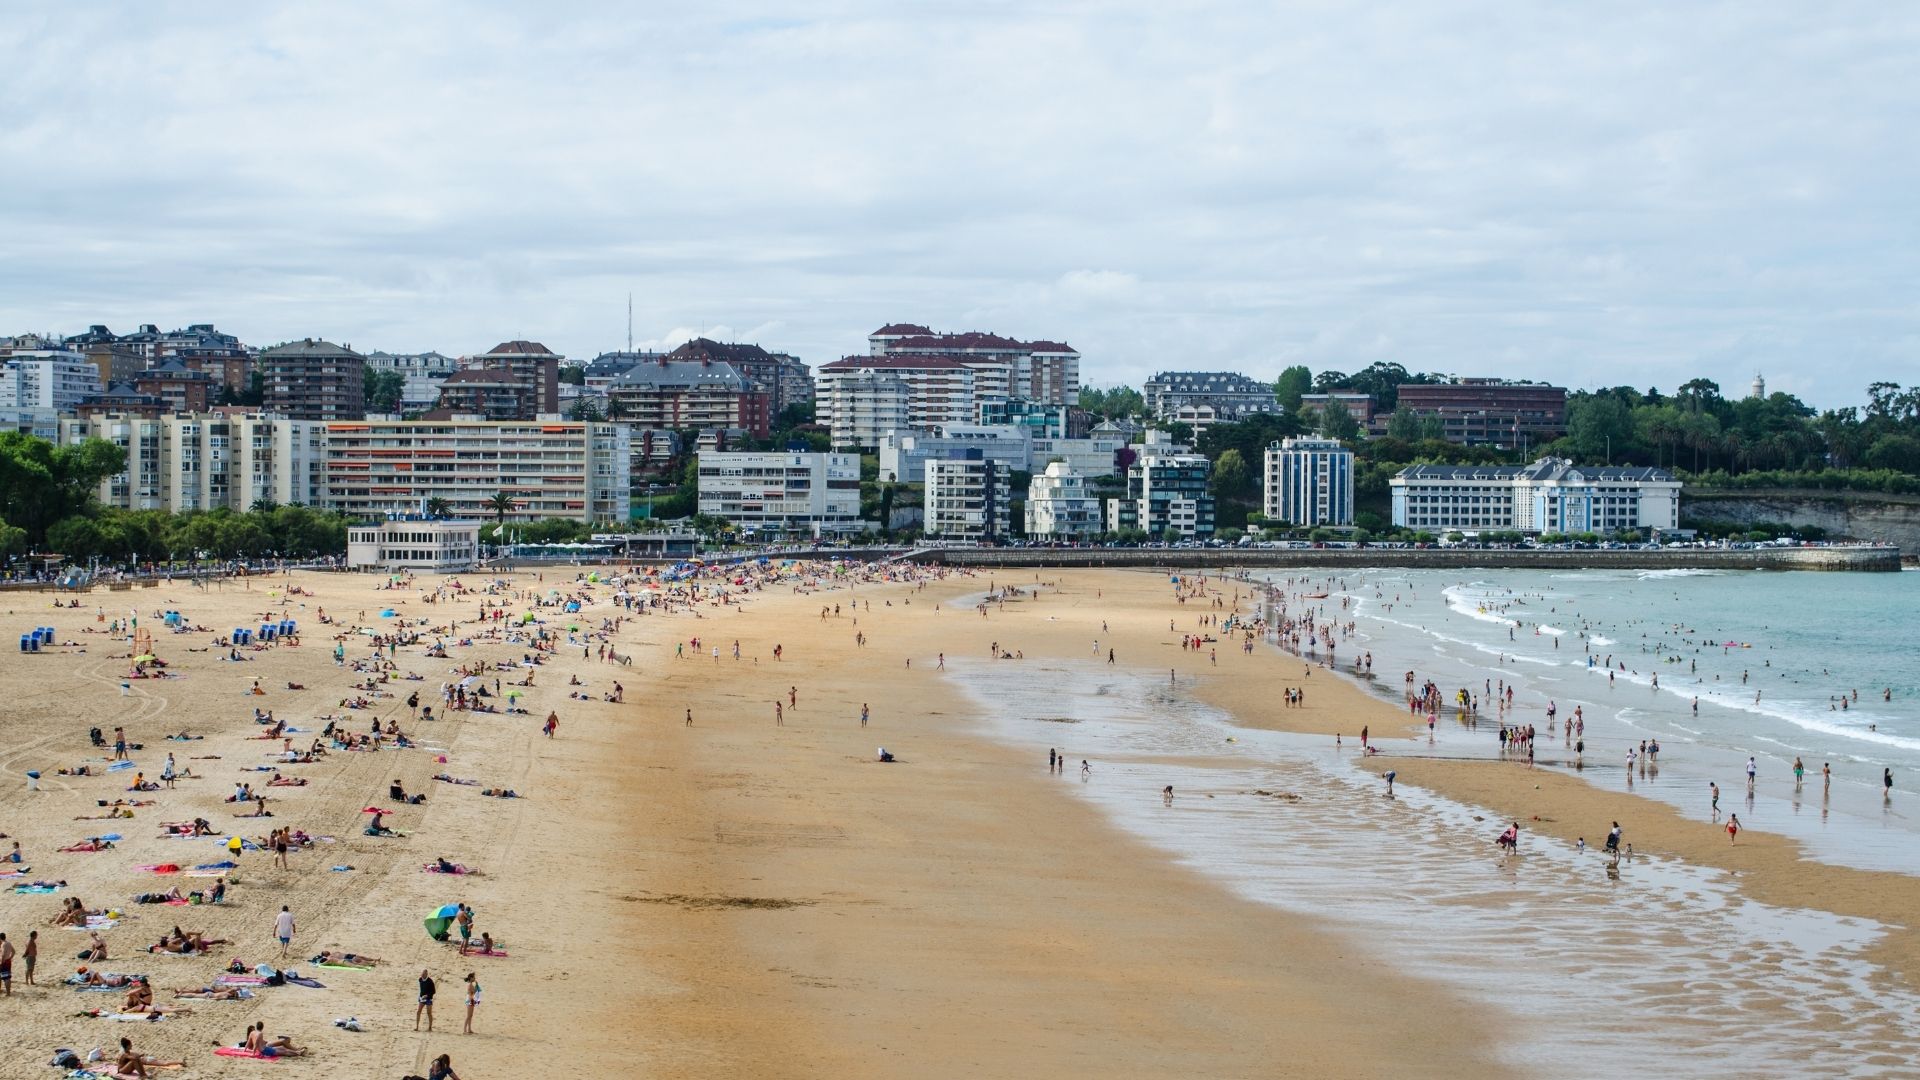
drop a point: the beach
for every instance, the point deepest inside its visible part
(752, 895)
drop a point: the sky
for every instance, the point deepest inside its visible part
(1591, 195)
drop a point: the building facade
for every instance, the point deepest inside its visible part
(314, 380)
(488, 393)
(549, 469)
(967, 497)
(206, 461)
(861, 408)
(535, 366)
(56, 379)
(939, 390)
(669, 393)
(1491, 412)
(783, 494)
(1552, 495)
(1059, 505)
(1210, 396)
(1043, 371)
(421, 374)
(903, 455)
(414, 543)
(783, 378)
(1167, 493)
(1308, 482)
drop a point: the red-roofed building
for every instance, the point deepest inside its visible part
(1044, 371)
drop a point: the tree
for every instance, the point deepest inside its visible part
(1337, 423)
(439, 507)
(573, 375)
(500, 503)
(1292, 383)
(1595, 425)
(1230, 475)
(382, 389)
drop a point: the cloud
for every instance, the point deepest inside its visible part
(1631, 195)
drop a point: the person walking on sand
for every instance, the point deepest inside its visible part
(473, 1001)
(1753, 769)
(31, 954)
(779, 714)
(1715, 789)
(426, 1000)
(553, 723)
(863, 714)
(6, 967)
(689, 717)
(283, 928)
(1733, 827)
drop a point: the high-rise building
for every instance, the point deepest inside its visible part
(1059, 504)
(783, 493)
(1309, 482)
(940, 390)
(535, 365)
(205, 461)
(966, 497)
(314, 380)
(546, 469)
(487, 393)
(860, 408)
(56, 379)
(702, 394)
(1044, 371)
(1166, 494)
(781, 377)
(182, 388)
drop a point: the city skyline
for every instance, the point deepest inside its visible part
(1478, 191)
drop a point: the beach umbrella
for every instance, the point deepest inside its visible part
(442, 918)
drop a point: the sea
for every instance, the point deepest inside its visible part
(1655, 967)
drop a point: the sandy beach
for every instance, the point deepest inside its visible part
(746, 895)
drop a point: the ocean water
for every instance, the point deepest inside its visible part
(1716, 666)
(1661, 970)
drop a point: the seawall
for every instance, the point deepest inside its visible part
(1885, 519)
(1872, 559)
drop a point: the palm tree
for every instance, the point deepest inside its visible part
(262, 506)
(438, 507)
(500, 503)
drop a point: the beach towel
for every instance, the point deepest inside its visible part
(224, 864)
(22, 872)
(240, 980)
(302, 980)
(344, 967)
(162, 868)
(492, 954)
(36, 889)
(120, 766)
(206, 873)
(124, 1017)
(243, 1052)
(98, 922)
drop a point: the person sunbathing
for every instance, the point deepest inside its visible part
(96, 951)
(346, 959)
(114, 813)
(278, 1046)
(139, 997)
(287, 781)
(159, 897)
(216, 992)
(500, 793)
(88, 977)
(259, 808)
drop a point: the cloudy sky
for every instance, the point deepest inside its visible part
(1590, 194)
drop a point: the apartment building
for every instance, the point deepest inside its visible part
(940, 390)
(1550, 495)
(783, 378)
(314, 380)
(860, 408)
(535, 366)
(488, 393)
(1490, 412)
(1208, 397)
(1166, 494)
(206, 461)
(782, 494)
(1060, 506)
(181, 388)
(967, 497)
(1044, 371)
(1045, 420)
(565, 469)
(56, 379)
(422, 374)
(1308, 482)
(903, 454)
(668, 393)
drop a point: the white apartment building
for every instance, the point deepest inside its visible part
(783, 494)
(966, 497)
(550, 469)
(940, 390)
(1308, 482)
(1047, 371)
(861, 407)
(414, 543)
(47, 379)
(1059, 504)
(904, 454)
(423, 373)
(1087, 457)
(1550, 495)
(205, 461)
